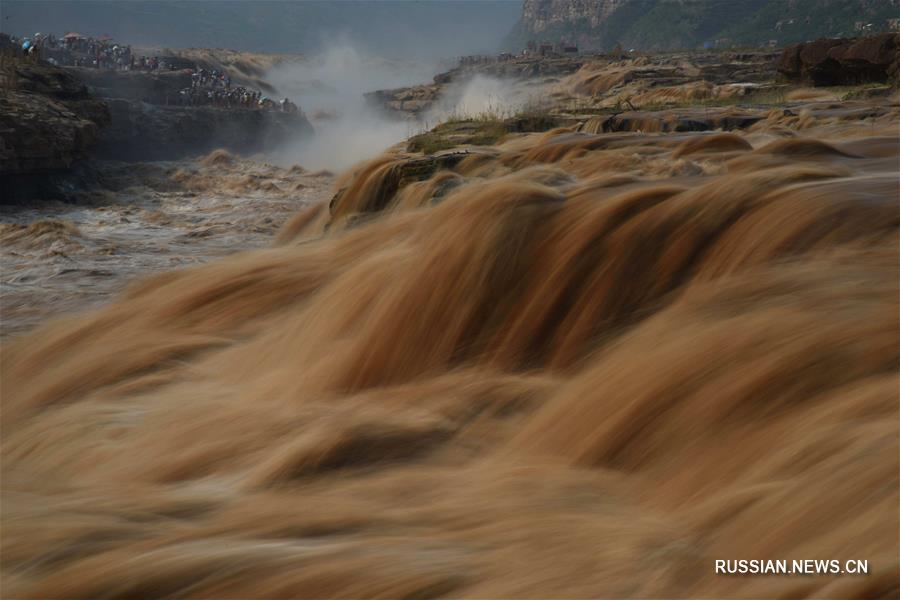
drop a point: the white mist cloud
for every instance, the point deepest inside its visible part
(330, 88)
(483, 96)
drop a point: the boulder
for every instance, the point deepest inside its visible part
(873, 58)
(842, 61)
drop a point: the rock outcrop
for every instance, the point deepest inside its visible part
(843, 61)
(407, 102)
(48, 120)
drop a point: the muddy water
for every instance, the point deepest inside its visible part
(60, 257)
(573, 365)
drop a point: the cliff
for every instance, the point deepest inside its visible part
(681, 24)
(48, 120)
(541, 15)
(142, 131)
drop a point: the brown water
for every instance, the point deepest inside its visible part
(142, 218)
(578, 366)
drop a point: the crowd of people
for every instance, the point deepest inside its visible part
(210, 87)
(76, 50)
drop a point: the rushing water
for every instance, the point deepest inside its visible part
(146, 218)
(569, 365)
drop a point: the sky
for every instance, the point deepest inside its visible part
(423, 29)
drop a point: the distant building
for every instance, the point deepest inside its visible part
(893, 24)
(545, 49)
(862, 26)
(772, 44)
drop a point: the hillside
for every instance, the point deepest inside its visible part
(655, 25)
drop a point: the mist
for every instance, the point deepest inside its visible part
(483, 97)
(330, 88)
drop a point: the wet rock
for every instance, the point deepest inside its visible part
(402, 173)
(674, 120)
